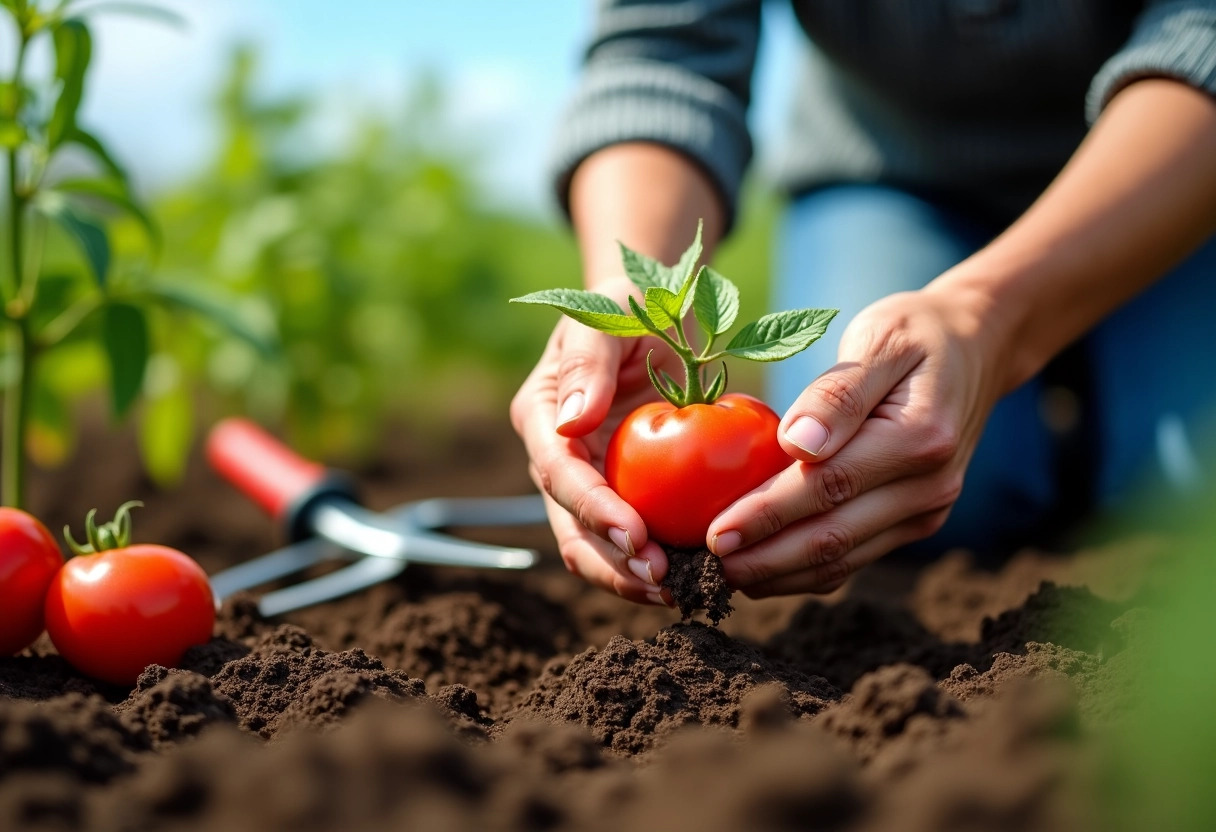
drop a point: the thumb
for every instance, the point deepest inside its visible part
(586, 379)
(830, 411)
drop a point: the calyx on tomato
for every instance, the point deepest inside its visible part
(669, 293)
(116, 534)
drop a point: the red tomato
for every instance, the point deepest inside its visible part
(114, 612)
(679, 468)
(29, 559)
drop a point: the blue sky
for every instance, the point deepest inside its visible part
(509, 65)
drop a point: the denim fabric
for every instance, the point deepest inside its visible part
(1151, 374)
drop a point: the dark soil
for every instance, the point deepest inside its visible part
(935, 698)
(696, 582)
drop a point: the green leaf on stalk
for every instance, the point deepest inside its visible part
(643, 316)
(116, 193)
(781, 334)
(715, 302)
(588, 308)
(166, 432)
(73, 49)
(217, 309)
(125, 337)
(91, 143)
(646, 272)
(90, 236)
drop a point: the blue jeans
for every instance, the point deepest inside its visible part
(1143, 381)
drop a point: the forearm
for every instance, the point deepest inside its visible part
(646, 196)
(1137, 197)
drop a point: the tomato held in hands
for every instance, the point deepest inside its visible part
(116, 608)
(29, 559)
(680, 467)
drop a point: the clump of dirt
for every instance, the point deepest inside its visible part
(696, 582)
(630, 694)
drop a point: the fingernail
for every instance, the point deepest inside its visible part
(620, 537)
(657, 598)
(571, 408)
(809, 434)
(641, 568)
(726, 542)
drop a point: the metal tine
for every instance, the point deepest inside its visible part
(361, 574)
(439, 512)
(356, 528)
(277, 564)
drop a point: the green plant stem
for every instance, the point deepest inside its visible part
(63, 324)
(16, 414)
(19, 350)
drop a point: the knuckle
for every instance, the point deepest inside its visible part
(950, 489)
(842, 394)
(768, 519)
(826, 546)
(751, 572)
(938, 444)
(576, 364)
(838, 483)
(587, 503)
(833, 572)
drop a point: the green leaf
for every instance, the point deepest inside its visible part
(646, 272)
(588, 308)
(115, 192)
(781, 334)
(124, 334)
(715, 302)
(643, 316)
(90, 236)
(219, 309)
(92, 144)
(663, 307)
(166, 433)
(12, 134)
(73, 49)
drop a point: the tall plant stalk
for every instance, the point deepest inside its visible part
(19, 344)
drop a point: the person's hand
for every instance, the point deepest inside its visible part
(883, 438)
(585, 383)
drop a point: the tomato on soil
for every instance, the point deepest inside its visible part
(112, 612)
(680, 467)
(29, 559)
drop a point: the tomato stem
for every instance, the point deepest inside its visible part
(115, 534)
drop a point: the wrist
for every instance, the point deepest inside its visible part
(994, 309)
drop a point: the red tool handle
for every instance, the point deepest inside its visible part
(270, 473)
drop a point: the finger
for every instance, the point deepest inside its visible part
(830, 577)
(821, 542)
(881, 452)
(648, 563)
(834, 406)
(560, 466)
(586, 378)
(600, 563)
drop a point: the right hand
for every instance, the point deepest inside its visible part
(585, 383)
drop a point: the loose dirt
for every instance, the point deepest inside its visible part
(930, 697)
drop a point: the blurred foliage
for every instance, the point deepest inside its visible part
(1159, 764)
(379, 268)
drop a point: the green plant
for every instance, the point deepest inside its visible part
(46, 305)
(680, 462)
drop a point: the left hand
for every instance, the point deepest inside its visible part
(883, 438)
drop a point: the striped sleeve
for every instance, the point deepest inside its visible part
(1171, 39)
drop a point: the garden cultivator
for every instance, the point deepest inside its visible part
(321, 515)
